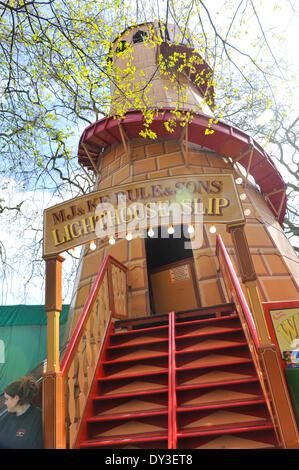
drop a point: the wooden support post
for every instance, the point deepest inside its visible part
(125, 141)
(54, 411)
(53, 387)
(249, 278)
(90, 159)
(277, 211)
(241, 155)
(111, 290)
(127, 147)
(249, 164)
(87, 174)
(185, 148)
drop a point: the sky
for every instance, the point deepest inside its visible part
(16, 233)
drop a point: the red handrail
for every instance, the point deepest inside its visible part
(170, 372)
(239, 292)
(71, 349)
(172, 401)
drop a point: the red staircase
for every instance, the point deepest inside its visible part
(184, 381)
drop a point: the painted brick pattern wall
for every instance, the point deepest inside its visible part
(276, 265)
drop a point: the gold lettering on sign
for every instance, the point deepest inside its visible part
(289, 328)
(148, 203)
(285, 323)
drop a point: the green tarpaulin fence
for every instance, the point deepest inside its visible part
(292, 376)
(23, 339)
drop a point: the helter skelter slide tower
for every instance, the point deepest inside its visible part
(210, 373)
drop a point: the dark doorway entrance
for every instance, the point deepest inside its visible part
(172, 282)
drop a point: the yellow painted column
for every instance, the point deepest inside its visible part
(257, 309)
(53, 383)
(53, 306)
(53, 341)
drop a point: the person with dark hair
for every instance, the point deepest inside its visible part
(21, 427)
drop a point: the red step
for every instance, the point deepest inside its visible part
(258, 437)
(188, 384)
